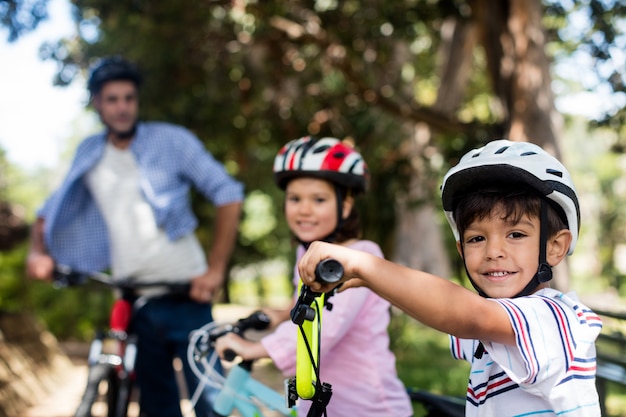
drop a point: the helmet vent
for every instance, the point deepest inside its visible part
(554, 172)
(528, 153)
(501, 150)
(321, 149)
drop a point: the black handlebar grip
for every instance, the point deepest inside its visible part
(229, 355)
(328, 271)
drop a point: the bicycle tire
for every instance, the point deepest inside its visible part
(98, 373)
(112, 393)
(438, 405)
(124, 390)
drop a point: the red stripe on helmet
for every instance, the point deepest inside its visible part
(335, 157)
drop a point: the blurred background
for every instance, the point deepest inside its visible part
(414, 84)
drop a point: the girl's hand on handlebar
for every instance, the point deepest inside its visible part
(245, 349)
(317, 252)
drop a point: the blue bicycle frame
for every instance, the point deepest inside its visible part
(242, 392)
(238, 390)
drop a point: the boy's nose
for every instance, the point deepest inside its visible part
(494, 250)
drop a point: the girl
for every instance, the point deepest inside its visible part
(320, 179)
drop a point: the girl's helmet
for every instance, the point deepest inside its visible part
(111, 69)
(326, 158)
(505, 161)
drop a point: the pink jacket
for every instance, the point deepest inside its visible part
(355, 356)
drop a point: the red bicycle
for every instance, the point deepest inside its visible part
(112, 353)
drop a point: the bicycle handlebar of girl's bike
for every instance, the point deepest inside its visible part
(328, 271)
(255, 321)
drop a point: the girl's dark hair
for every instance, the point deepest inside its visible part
(350, 228)
(515, 203)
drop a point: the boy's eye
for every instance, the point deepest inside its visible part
(475, 239)
(320, 200)
(293, 199)
(517, 235)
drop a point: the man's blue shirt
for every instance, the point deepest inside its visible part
(170, 159)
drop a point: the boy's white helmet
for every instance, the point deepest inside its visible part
(505, 161)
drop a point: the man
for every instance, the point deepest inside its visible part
(124, 205)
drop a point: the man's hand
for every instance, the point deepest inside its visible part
(204, 287)
(39, 266)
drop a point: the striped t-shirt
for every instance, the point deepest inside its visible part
(550, 371)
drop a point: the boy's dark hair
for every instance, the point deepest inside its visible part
(515, 203)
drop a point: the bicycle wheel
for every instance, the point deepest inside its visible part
(98, 373)
(112, 394)
(118, 403)
(437, 405)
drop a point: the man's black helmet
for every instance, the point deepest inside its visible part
(111, 69)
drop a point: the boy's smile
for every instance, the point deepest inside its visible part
(501, 256)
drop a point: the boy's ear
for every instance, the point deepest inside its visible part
(558, 246)
(458, 248)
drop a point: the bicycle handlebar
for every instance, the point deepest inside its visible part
(255, 321)
(64, 276)
(328, 271)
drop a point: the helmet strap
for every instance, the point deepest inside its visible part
(544, 271)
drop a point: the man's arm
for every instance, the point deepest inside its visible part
(226, 224)
(39, 264)
(226, 227)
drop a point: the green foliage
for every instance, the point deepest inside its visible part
(423, 358)
(12, 284)
(69, 313)
(247, 77)
(616, 400)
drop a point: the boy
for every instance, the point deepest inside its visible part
(514, 212)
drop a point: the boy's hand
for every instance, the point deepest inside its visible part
(317, 252)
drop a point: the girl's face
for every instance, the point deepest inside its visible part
(501, 256)
(311, 208)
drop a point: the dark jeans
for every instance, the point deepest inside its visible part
(163, 326)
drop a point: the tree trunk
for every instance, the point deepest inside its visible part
(419, 241)
(514, 40)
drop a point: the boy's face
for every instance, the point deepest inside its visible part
(501, 256)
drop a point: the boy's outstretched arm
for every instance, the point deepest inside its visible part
(433, 301)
